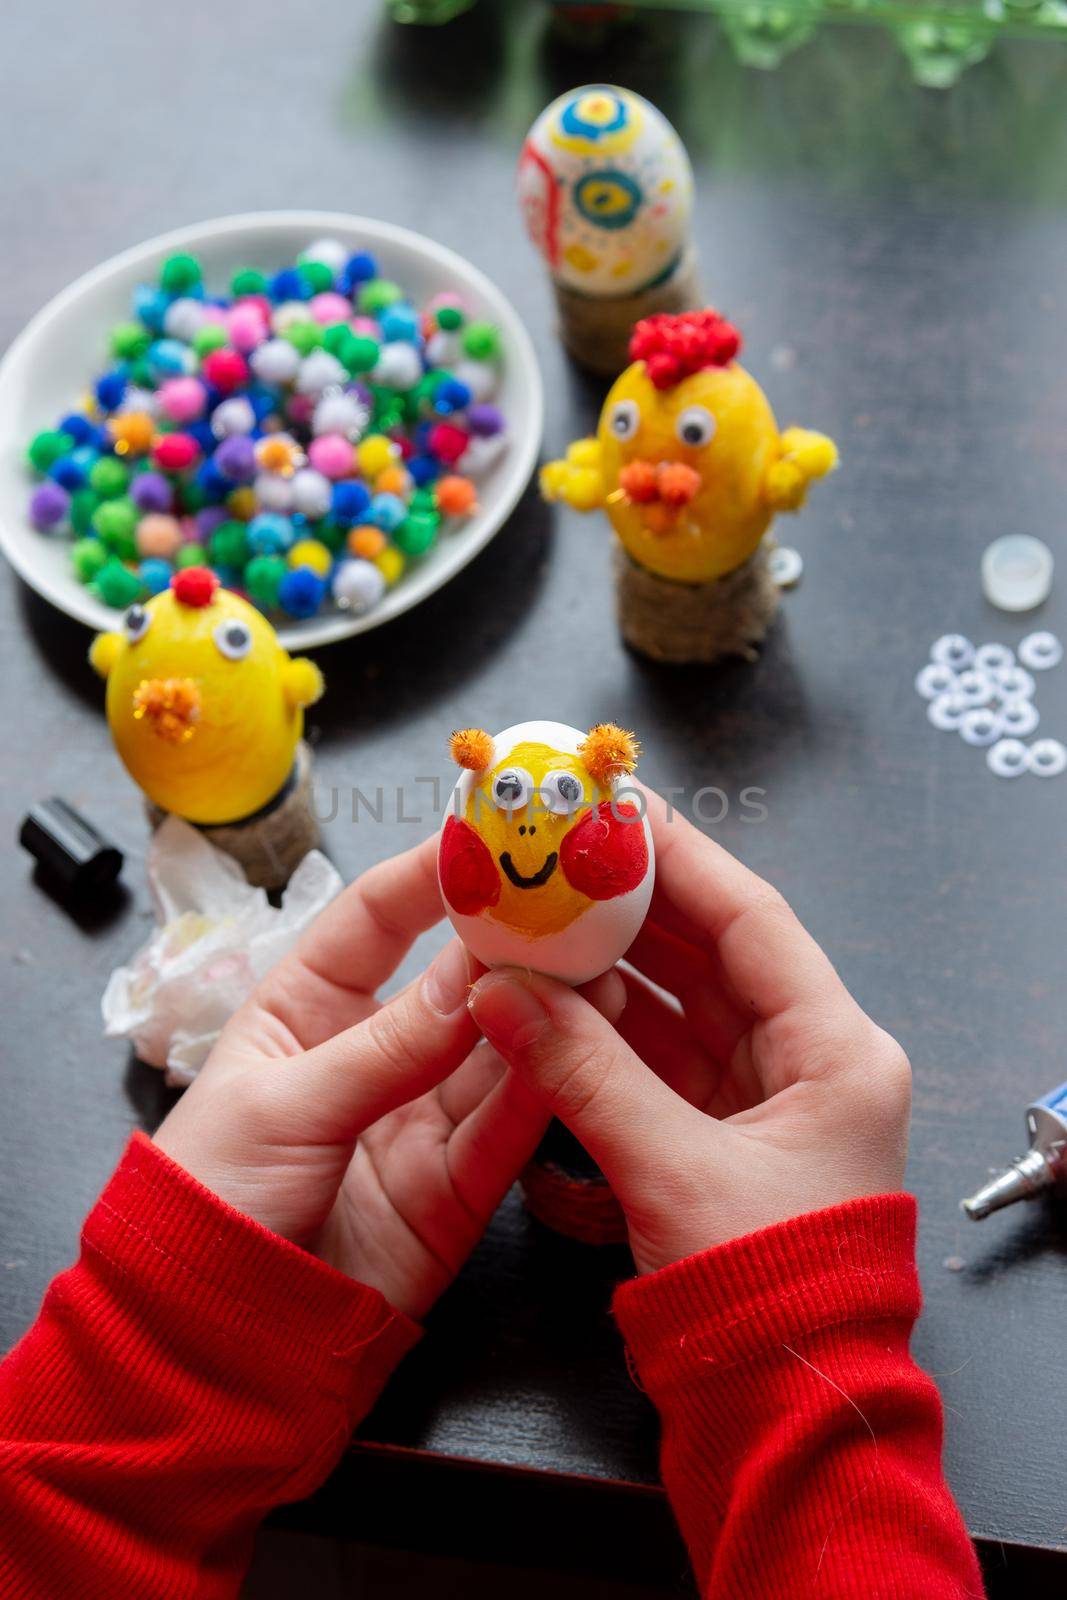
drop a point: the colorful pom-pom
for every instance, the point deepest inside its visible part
(194, 586)
(472, 748)
(609, 752)
(300, 592)
(672, 347)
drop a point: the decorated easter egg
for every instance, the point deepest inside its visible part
(545, 856)
(606, 191)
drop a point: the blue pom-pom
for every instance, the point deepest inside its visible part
(349, 501)
(423, 469)
(110, 388)
(201, 432)
(80, 429)
(262, 401)
(287, 285)
(270, 534)
(211, 481)
(155, 574)
(168, 358)
(399, 321)
(359, 268)
(451, 395)
(69, 472)
(387, 511)
(150, 304)
(301, 592)
(422, 436)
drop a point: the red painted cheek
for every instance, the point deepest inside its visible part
(469, 879)
(606, 853)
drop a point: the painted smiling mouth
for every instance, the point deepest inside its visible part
(536, 879)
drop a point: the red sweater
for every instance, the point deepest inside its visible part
(193, 1370)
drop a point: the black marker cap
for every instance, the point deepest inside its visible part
(69, 848)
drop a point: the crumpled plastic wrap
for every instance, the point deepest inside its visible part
(216, 939)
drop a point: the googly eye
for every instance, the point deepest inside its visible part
(233, 638)
(787, 566)
(981, 727)
(977, 688)
(948, 711)
(953, 650)
(1046, 758)
(1040, 651)
(625, 419)
(935, 679)
(136, 623)
(994, 658)
(1014, 683)
(512, 789)
(1019, 718)
(695, 426)
(561, 793)
(1007, 758)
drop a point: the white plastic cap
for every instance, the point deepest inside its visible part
(1017, 572)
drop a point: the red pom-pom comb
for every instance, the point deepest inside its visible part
(194, 586)
(673, 347)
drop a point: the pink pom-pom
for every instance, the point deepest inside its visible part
(183, 399)
(332, 455)
(300, 409)
(226, 369)
(246, 327)
(329, 307)
(365, 327)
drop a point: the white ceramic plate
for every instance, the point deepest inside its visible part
(53, 360)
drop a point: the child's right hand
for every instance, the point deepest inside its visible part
(766, 1092)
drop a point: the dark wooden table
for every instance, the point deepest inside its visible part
(895, 259)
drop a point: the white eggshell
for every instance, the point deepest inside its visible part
(606, 190)
(600, 935)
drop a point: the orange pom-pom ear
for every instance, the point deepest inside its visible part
(608, 752)
(472, 748)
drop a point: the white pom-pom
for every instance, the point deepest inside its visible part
(135, 399)
(481, 454)
(479, 376)
(331, 252)
(318, 371)
(443, 349)
(399, 366)
(275, 362)
(341, 413)
(312, 492)
(289, 312)
(357, 586)
(183, 318)
(273, 492)
(231, 416)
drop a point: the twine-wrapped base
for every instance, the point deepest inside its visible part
(270, 845)
(596, 329)
(696, 621)
(565, 1189)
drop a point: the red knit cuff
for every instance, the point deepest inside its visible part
(174, 1238)
(729, 1304)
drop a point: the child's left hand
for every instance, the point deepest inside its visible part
(313, 1062)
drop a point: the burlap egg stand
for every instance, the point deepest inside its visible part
(596, 329)
(270, 844)
(696, 622)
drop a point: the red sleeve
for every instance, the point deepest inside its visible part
(801, 1443)
(190, 1372)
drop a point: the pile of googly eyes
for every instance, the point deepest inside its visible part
(986, 695)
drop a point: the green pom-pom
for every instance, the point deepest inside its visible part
(317, 276)
(378, 293)
(179, 274)
(191, 555)
(228, 546)
(450, 318)
(423, 500)
(47, 447)
(116, 585)
(129, 341)
(193, 497)
(360, 352)
(331, 534)
(263, 579)
(108, 477)
(248, 281)
(481, 341)
(417, 533)
(336, 337)
(141, 374)
(115, 521)
(83, 502)
(87, 556)
(209, 337)
(304, 336)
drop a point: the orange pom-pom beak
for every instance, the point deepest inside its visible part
(472, 748)
(609, 752)
(171, 707)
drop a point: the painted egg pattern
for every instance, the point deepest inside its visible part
(606, 191)
(545, 857)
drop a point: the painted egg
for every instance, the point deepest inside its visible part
(545, 856)
(606, 190)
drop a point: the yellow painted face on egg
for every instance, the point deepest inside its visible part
(204, 704)
(716, 421)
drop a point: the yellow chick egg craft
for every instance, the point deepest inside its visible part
(690, 467)
(606, 192)
(206, 711)
(545, 856)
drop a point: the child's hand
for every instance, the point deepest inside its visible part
(767, 1093)
(314, 1062)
